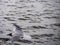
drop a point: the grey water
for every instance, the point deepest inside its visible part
(38, 18)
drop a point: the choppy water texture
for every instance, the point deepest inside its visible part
(38, 18)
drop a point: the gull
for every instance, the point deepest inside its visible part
(19, 35)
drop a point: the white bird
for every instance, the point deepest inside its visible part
(18, 34)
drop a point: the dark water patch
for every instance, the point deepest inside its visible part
(58, 24)
(25, 41)
(21, 1)
(27, 17)
(57, 14)
(47, 10)
(20, 7)
(15, 44)
(10, 14)
(5, 1)
(37, 15)
(57, 17)
(57, 38)
(25, 1)
(5, 39)
(51, 39)
(35, 36)
(34, 31)
(12, 11)
(48, 13)
(12, 5)
(58, 2)
(42, 1)
(30, 1)
(29, 10)
(23, 15)
(39, 41)
(23, 19)
(46, 35)
(38, 27)
(34, 21)
(42, 14)
(26, 31)
(9, 19)
(9, 30)
(48, 4)
(29, 14)
(6, 17)
(57, 9)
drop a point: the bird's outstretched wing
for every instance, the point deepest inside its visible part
(17, 27)
(18, 30)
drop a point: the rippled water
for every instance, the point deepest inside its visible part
(38, 18)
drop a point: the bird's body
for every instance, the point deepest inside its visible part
(26, 37)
